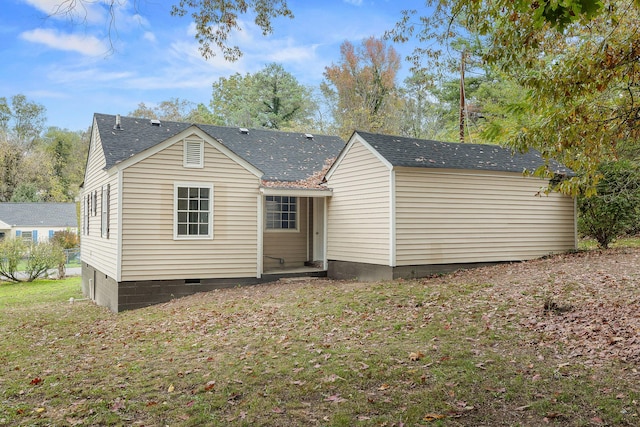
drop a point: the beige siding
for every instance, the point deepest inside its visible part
(358, 211)
(99, 252)
(457, 217)
(149, 250)
(291, 246)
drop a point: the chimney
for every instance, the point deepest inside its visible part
(118, 125)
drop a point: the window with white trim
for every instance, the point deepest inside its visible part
(27, 236)
(193, 153)
(282, 213)
(193, 215)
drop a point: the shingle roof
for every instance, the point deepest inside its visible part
(39, 214)
(281, 156)
(420, 153)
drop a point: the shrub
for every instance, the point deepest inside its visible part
(12, 251)
(614, 210)
(66, 239)
(42, 257)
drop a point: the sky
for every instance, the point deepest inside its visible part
(76, 65)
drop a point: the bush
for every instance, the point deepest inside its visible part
(615, 209)
(42, 257)
(39, 258)
(12, 251)
(66, 239)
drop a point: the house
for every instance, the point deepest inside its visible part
(170, 209)
(403, 207)
(36, 222)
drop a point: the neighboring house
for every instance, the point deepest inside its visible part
(36, 222)
(404, 207)
(169, 209)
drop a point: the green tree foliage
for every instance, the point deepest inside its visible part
(66, 239)
(216, 19)
(271, 98)
(364, 88)
(174, 109)
(615, 209)
(41, 257)
(26, 192)
(12, 251)
(579, 74)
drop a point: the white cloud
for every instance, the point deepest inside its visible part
(89, 46)
(149, 36)
(92, 12)
(354, 2)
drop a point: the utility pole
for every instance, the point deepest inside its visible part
(462, 96)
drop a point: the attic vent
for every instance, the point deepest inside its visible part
(118, 125)
(193, 153)
(308, 136)
(155, 122)
(244, 131)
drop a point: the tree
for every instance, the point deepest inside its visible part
(615, 209)
(174, 109)
(214, 20)
(363, 85)
(271, 98)
(579, 73)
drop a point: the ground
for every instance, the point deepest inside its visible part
(554, 341)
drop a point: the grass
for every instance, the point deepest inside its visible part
(320, 353)
(621, 242)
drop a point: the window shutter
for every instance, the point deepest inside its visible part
(51, 233)
(193, 153)
(18, 233)
(35, 236)
(108, 207)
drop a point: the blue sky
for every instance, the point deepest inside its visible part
(69, 67)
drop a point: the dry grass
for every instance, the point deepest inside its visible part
(474, 348)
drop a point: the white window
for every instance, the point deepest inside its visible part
(27, 236)
(193, 212)
(193, 153)
(105, 210)
(282, 213)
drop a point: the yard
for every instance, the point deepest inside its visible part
(554, 341)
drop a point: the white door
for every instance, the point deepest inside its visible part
(318, 229)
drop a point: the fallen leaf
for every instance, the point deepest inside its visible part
(415, 356)
(209, 386)
(40, 410)
(277, 410)
(433, 417)
(171, 389)
(36, 381)
(335, 399)
(384, 387)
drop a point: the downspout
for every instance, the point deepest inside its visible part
(392, 218)
(260, 237)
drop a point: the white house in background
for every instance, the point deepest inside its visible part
(36, 222)
(170, 209)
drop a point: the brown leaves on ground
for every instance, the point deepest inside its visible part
(585, 304)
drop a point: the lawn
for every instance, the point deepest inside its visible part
(554, 341)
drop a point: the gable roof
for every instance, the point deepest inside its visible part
(280, 156)
(39, 214)
(421, 153)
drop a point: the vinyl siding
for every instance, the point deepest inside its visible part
(101, 253)
(458, 217)
(288, 245)
(149, 250)
(358, 211)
